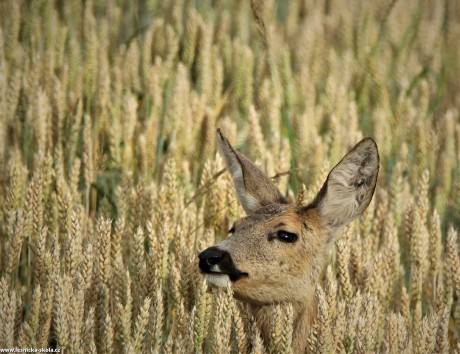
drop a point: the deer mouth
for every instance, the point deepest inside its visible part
(215, 271)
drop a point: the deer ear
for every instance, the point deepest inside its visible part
(350, 185)
(253, 187)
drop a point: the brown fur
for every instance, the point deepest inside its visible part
(280, 272)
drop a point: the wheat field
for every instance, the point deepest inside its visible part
(111, 185)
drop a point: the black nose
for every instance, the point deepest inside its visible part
(210, 257)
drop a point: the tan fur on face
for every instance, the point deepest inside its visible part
(276, 270)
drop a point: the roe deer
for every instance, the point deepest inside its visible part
(278, 252)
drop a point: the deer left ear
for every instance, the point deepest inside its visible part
(350, 185)
(253, 187)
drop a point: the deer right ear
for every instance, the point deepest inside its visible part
(349, 186)
(253, 187)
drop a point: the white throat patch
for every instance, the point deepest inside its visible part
(221, 280)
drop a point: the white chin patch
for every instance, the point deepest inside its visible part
(221, 280)
(216, 268)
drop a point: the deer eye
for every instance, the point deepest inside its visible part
(232, 230)
(286, 236)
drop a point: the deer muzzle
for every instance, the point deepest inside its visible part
(216, 261)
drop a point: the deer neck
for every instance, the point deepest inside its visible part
(301, 328)
(304, 313)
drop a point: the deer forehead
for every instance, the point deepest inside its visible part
(280, 216)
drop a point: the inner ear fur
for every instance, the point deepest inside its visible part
(253, 187)
(350, 185)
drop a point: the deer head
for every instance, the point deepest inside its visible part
(278, 251)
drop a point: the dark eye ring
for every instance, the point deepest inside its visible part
(286, 236)
(232, 230)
